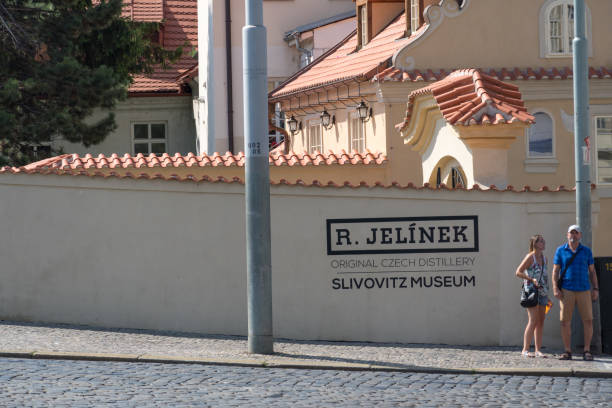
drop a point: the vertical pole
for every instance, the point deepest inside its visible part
(582, 151)
(206, 92)
(259, 270)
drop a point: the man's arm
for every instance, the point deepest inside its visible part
(555, 276)
(594, 283)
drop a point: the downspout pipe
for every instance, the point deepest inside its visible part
(228, 63)
(296, 38)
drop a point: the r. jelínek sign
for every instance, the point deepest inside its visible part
(375, 237)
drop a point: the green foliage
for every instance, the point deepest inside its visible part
(60, 60)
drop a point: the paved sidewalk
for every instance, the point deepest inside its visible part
(54, 341)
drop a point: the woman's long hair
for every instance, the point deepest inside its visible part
(533, 240)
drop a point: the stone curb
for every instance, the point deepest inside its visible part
(149, 358)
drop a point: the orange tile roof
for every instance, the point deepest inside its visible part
(299, 182)
(180, 24)
(143, 10)
(343, 63)
(468, 97)
(127, 161)
(393, 74)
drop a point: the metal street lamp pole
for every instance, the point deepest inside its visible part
(259, 269)
(582, 151)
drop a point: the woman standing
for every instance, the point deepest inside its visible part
(533, 272)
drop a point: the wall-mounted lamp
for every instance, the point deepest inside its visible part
(327, 121)
(294, 125)
(364, 111)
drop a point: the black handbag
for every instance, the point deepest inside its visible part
(529, 296)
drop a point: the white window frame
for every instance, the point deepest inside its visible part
(314, 147)
(414, 15)
(150, 140)
(361, 133)
(542, 164)
(597, 111)
(544, 26)
(362, 18)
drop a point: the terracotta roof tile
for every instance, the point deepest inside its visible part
(179, 20)
(469, 97)
(88, 162)
(344, 63)
(299, 182)
(144, 10)
(393, 74)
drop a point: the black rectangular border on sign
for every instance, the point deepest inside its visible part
(331, 221)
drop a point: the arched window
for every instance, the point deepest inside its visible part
(557, 28)
(540, 136)
(560, 28)
(449, 172)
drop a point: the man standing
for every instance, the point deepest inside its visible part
(578, 288)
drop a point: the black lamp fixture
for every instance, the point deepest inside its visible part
(294, 125)
(364, 111)
(327, 120)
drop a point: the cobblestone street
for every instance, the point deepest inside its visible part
(61, 383)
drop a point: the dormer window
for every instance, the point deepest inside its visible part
(414, 15)
(414, 10)
(364, 22)
(373, 16)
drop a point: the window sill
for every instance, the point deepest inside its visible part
(557, 56)
(541, 165)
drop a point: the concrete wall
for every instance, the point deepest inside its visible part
(169, 255)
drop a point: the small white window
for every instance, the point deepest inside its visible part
(149, 137)
(315, 141)
(604, 149)
(357, 135)
(540, 136)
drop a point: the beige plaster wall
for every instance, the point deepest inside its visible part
(329, 35)
(475, 40)
(168, 255)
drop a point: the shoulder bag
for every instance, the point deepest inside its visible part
(529, 295)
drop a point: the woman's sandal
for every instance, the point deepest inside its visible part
(539, 354)
(566, 356)
(587, 356)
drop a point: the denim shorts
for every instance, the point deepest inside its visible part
(542, 300)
